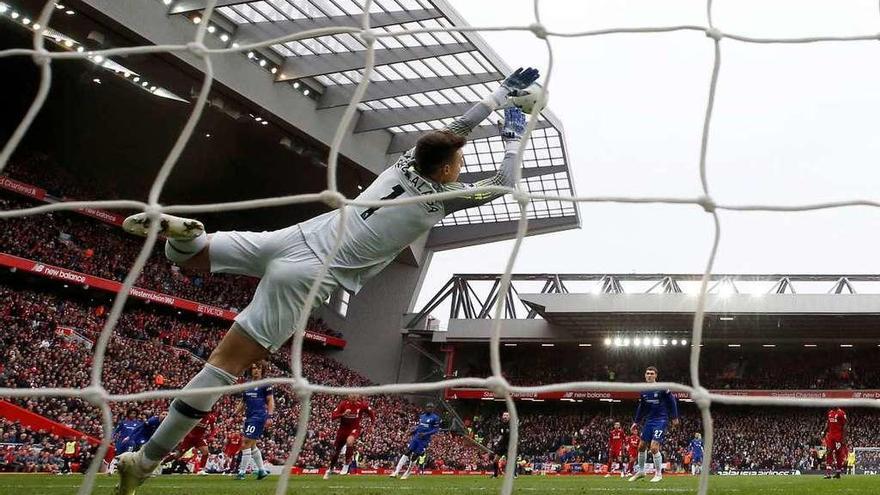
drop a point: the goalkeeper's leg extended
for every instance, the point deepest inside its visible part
(287, 268)
(186, 244)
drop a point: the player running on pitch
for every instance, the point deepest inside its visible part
(655, 407)
(429, 424)
(349, 413)
(835, 443)
(615, 448)
(259, 406)
(288, 260)
(696, 451)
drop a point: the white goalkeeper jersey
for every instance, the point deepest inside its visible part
(374, 236)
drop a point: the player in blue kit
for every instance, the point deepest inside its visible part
(259, 406)
(148, 428)
(126, 433)
(429, 424)
(655, 408)
(696, 450)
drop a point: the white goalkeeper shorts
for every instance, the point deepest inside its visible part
(287, 268)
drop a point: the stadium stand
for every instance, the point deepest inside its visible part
(552, 436)
(25, 451)
(36, 354)
(89, 246)
(723, 368)
(746, 438)
(86, 245)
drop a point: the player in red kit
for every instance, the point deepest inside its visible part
(615, 447)
(349, 413)
(632, 449)
(835, 443)
(233, 445)
(197, 439)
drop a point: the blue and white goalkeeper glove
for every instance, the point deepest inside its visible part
(514, 124)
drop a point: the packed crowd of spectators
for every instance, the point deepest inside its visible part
(154, 349)
(86, 245)
(23, 450)
(745, 438)
(83, 244)
(720, 367)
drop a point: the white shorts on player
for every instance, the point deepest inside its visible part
(287, 268)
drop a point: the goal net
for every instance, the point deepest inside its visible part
(96, 394)
(867, 460)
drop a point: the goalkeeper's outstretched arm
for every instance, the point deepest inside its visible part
(462, 126)
(520, 79)
(511, 133)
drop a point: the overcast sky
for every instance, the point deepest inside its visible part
(793, 124)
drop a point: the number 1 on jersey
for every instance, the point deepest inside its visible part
(395, 192)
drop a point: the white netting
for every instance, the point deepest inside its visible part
(867, 460)
(98, 396)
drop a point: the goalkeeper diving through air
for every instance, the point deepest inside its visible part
(288, 261)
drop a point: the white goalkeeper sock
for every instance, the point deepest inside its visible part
(658, 464)
(246, 458)
(258, 458)
(184, 414)
(180, 250)
(643, 456)
(403, 459)
(409, 467)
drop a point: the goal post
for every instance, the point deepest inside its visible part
(867, 460)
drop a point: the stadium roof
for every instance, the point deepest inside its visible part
(301, 88)
(421, 82)
(595, 307)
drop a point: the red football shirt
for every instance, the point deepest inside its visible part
(615, 442)
(233, 441)
(205, 426)
(349, 412)
(836, 423)
(632, 443)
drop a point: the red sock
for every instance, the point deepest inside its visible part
(349, 454)
(200, 463)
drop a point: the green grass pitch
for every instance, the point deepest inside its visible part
(441, 485)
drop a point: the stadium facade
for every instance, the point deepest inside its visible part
(613, 319)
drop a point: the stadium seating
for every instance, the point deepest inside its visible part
(36, 355)
(33, 353)
(721, 368)
(745, 438)
(26, 451)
